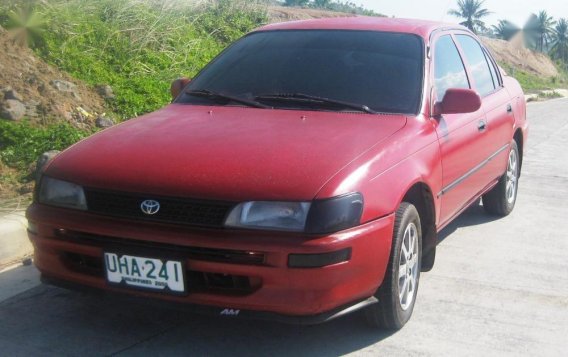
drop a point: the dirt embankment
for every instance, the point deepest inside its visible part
(31, 88)
(283, 13)
(519, 57)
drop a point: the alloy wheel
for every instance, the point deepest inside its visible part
(512, 177)
(408, 267)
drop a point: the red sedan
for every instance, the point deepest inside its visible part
(303, 174)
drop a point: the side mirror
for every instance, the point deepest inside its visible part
(178, 85)
(458, 101)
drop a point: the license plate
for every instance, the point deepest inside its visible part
(146, 273)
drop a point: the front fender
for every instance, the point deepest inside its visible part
(383, 176)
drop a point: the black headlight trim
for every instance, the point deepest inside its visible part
(335, 214)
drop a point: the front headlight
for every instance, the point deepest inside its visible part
(317, 217)
(61, 193)
(287, 216)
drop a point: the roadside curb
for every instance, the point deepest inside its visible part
(14, 242)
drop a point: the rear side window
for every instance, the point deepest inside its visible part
(493, 70)
(478, 64)
(449, 71)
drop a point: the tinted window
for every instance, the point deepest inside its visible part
(449, 71)
(377, 69)
(478, 64)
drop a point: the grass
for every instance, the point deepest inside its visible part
(22, 142)
(532, 83)
(550, 95)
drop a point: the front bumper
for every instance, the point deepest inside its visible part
(69, 248)
(223, 312)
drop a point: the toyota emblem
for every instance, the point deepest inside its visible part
(150, 206)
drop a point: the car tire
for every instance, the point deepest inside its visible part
(403, 273)
(501, 199)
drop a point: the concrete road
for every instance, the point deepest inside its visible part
(499, 287)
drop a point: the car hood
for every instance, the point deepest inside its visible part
(227, 153)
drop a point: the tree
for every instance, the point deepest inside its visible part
(471, 11)
(505, 30)
(322, 3)
(545, 29)
(559, 48)
(539, 29)
(295, 2)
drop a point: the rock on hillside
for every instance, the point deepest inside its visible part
(519, 57)
(31, 88)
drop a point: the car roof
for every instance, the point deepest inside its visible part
(421, 28)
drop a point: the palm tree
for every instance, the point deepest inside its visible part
(539, 29)
(559, 48)
(546, 29)
(505, 30)
(471, 11)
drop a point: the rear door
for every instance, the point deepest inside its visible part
(462, 137)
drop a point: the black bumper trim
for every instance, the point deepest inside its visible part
(227, 312)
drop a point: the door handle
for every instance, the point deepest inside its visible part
(509, 108)
(482, 125)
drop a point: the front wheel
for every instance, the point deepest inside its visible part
(501, 199)
(397, 293)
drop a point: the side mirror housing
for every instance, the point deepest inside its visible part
(178, 85)
(458, 101)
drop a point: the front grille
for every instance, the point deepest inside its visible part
(172, 210)
(230, 256)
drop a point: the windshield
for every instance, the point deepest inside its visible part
(379, 70)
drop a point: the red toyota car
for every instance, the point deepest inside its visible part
(303, 174)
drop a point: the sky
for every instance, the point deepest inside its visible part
(516, 11)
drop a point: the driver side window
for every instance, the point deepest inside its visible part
(449, 71)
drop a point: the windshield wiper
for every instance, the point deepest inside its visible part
(306, 98)
(211, 94)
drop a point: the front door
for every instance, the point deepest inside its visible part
(497, 104)
(462, 137)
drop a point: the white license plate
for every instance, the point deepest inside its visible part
(148, 273)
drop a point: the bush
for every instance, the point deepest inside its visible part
(21, 143)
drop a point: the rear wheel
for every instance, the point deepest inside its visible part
(397, 293)
(501, 199)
